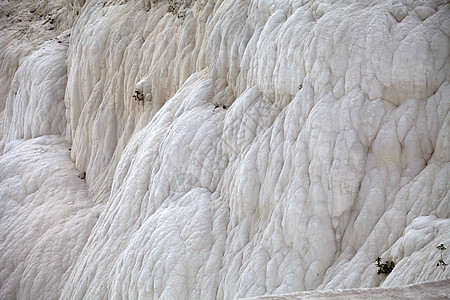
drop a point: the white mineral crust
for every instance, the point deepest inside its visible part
(279, 146)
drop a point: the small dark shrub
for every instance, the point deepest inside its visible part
(384, 268)
(441, 263)
(138, 96)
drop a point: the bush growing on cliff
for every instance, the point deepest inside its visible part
(384, 268)
(441, 263)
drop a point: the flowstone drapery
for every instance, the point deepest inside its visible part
(243, 148)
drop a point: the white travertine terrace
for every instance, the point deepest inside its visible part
(279, 146)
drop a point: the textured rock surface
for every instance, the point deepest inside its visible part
(230, 148)
(428, 290)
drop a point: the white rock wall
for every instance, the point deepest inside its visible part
(33, 99)
(46, 218)
(279, 146)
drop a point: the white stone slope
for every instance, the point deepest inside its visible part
(271, 147)
(423, 291)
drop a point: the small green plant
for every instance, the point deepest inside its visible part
(385, 268)
(138, 96)
(173, 7)
(441, 263)
(179, 7)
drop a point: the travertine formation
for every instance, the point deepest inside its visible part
(221, 149)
